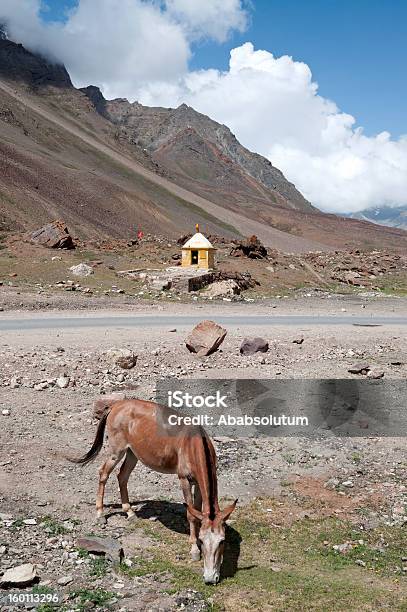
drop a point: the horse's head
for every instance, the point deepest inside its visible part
(212, 540)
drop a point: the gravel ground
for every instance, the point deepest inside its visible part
(41, 423)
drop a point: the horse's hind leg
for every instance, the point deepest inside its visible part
(126, 469)
(104, 474)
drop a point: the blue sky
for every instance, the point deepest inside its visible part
(356, 49)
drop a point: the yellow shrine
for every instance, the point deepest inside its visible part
(198, 252)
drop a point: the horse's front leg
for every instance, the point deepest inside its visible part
(193, 522)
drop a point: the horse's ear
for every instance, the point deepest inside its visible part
(195, 513)
(224, 514)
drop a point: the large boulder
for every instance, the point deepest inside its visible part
(224, 288)
(109, 547)
(54, 235)
(22, 575)
(250, 346)
(81, 269)
(205, 338)
(252, 248)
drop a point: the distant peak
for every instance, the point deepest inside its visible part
(96, 97)
(20, 64)
(3, 32)
(183, 106)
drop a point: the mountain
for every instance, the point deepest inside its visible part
(386, 215)
(107, 167)
(18, 64)
(193, 147)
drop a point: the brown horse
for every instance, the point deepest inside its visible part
(139, 430)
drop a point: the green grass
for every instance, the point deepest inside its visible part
(97, 597)
(17, 524)
(311, 575)
(52, 526)
(98, 567)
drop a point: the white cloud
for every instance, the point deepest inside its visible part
(211, 18)
(140, 49)
(115, 44)
(273, 107)
(121, 45)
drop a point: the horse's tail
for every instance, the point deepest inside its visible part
(101, 410)
(97, 443)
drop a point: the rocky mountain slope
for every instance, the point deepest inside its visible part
(194, 147)
(109, 167)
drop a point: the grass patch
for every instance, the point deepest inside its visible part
(97, 597)
(52, 526)
(17, 524)
(98, 567)
(291, 568)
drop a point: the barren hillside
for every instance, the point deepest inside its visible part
(109, 167)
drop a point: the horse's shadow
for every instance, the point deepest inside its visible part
(172, 515)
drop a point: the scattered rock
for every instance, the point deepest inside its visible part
(205, 338)
(359, 368)
(54, 235)
(124, 358)
(106, 546)
(41, 386)
(343, 548)
(65, 580)
(5, 412)
(160, 284)
(348, 483)
(224, 288)
(62, 382)
(375, 374)
(298, 340)
(21, 575)
(81, 269)
(14, 383)
(250, 346)
(190, 601)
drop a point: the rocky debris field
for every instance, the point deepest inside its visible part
(360, 269)
(325, 509)
(135, 270)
